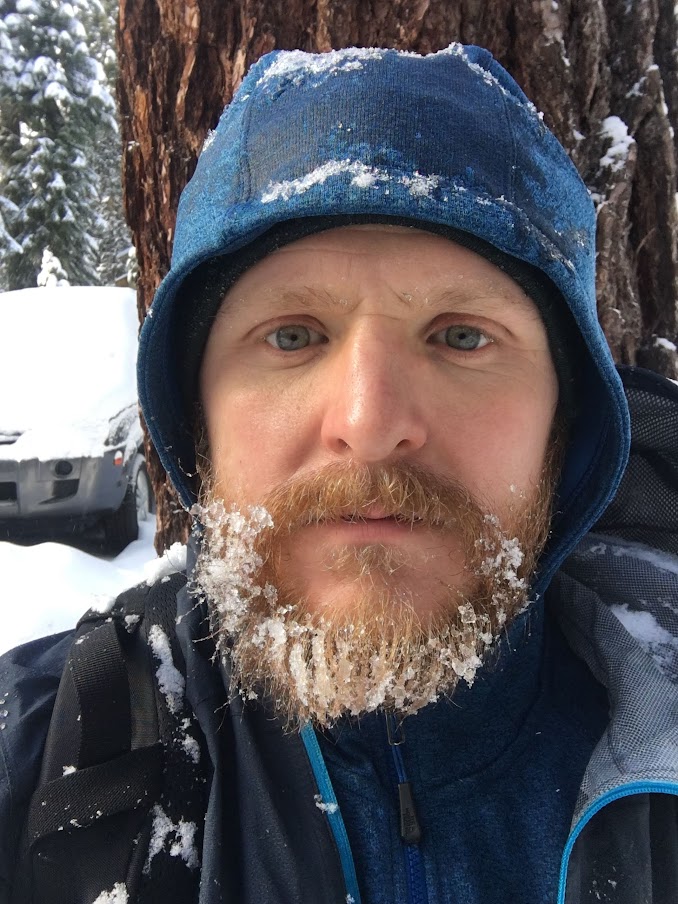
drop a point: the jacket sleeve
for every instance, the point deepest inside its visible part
(29, 680)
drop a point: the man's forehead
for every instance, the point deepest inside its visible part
(422, 270)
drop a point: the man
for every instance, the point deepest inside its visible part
(374, 373)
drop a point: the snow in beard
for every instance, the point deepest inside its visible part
(318, 671)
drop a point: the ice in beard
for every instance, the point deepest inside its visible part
(319, 668)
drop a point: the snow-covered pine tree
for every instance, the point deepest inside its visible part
(7, 243)
(54, 102)
(115, 241)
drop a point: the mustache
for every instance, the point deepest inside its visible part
(407, 492)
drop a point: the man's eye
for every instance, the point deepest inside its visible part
(292, 338)
(464, 338)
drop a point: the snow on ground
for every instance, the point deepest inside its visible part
(48, 586)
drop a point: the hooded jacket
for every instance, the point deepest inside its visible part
(447, 139)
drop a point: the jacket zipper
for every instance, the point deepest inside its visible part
(410, 830)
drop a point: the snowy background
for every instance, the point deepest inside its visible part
(46, 587)
(61, 224)
(59, 391)
(70, 369)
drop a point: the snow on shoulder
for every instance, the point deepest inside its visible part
(172, 561)
(117, 895)
(654, 639)
(175, 838)
(170, 680)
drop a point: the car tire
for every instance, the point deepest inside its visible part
(122, 527)
(143, 492)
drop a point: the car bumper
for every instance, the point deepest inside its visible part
(39, 491)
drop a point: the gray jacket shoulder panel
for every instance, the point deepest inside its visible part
(616, 598)
(617, 604)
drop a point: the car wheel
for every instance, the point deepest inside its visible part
(143, 494)
(122, 527)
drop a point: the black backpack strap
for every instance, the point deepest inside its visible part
(100, 678)
(105, 763)
(92, 720)
(82, 797)
(179, 814)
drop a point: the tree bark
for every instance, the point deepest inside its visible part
(580, 61)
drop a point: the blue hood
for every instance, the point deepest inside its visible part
(446, 138)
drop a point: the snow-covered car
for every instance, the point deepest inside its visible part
(71, 451)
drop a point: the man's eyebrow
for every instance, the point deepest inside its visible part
(311, 297)
(304, 297)
(319, 297)
(481, 292)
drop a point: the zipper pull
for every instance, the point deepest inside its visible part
(410, 830)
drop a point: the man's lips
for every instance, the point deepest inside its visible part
(372, 526)
(375, 513)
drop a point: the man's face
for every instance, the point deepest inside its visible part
(378, 350)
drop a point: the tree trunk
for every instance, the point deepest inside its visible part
(604, 73)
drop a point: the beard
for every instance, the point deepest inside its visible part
(317, 662)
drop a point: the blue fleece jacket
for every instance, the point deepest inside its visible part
(495, 774)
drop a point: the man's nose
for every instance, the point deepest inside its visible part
(373, 405)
